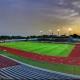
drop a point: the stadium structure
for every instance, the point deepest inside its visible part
(39, 40)
(40, 59)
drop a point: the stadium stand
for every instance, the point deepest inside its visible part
(12, 70)
(22, 72)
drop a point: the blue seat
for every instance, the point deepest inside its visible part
(22, 72)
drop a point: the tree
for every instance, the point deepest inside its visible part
(75, 36)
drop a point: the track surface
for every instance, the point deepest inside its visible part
(72, 59)
(6, 62)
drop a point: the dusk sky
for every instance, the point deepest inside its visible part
(28, 17)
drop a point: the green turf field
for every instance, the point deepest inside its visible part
(50, 49)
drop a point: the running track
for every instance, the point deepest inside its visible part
(72, 59)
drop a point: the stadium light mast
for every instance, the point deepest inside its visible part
(50, 31)
(70, 30)
(58, 31)
(41, 32)
(10, 34)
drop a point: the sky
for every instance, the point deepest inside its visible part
(29, 17)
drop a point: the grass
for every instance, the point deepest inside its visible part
(54, 67)
(50, 49)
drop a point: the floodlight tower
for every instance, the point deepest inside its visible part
(41, 32)
(50, 31)
(10, 34)
(70, 30)
(58, 31)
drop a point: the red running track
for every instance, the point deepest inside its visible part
(6, 62)
(76, 51)
(75, 54)
(71, 60)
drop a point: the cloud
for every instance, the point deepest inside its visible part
(74, 14)
(76, 4)
(61, 2)
(24, 15)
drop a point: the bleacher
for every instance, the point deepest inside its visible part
(20, 71)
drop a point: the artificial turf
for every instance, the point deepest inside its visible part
(50, 49)
(70, 69)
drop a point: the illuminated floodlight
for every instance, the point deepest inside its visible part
(58, 30)
(70, 30)
(41, 31)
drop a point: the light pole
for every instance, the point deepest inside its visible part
(10, 34)
(41, 32)
(70, 30)
(58, 31)
(50, 31)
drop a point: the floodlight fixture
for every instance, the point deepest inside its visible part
(58, 30)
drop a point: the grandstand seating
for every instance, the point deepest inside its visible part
(12, 70)
(22, 72)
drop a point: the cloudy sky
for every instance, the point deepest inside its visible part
(26, 17)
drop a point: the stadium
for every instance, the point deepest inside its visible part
(37, 59)
(39, 39)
